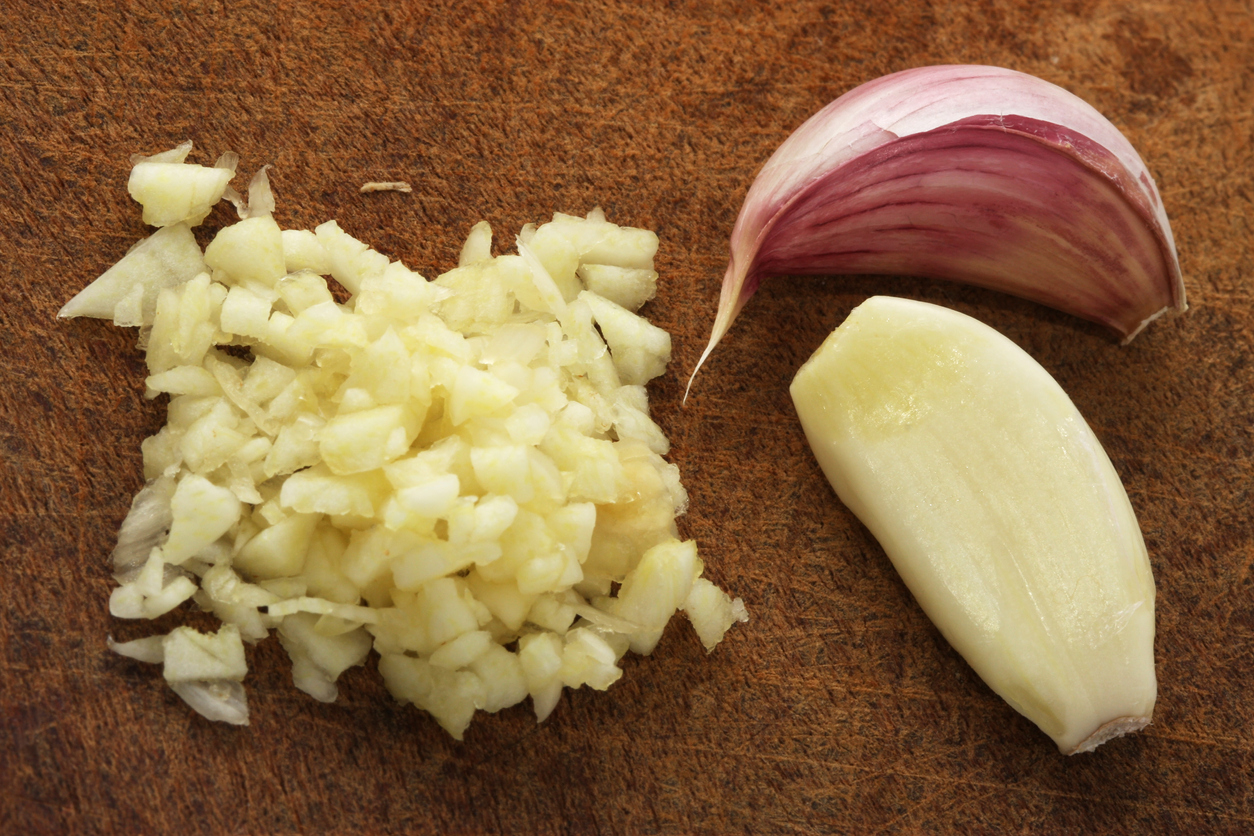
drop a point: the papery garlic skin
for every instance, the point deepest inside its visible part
(998, 507)
(976, 174)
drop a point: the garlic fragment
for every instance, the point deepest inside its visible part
(386, 186)
(173, 191)
(167, 258)
(976, 174)
(998, 507)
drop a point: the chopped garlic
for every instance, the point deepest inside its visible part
(174, 192)
(441, 471)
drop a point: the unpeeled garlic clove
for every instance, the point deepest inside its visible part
(976, 174)
(998, 507)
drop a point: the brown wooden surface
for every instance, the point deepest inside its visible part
(838, 708)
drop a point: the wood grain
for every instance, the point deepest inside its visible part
(838, 708)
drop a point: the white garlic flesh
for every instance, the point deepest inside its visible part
(998, 507)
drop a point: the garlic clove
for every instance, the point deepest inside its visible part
(997, 506)
(974, 174)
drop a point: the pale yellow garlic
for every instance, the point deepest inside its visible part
(173, 192)
(441, 470)
(191, 655)
(167, 258)
(998, 507)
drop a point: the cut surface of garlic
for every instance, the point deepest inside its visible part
(975, 174)
(998, 507)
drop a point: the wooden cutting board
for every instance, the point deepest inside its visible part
(838, 708)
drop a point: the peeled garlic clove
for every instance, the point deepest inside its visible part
(998, 507)
(977, 174)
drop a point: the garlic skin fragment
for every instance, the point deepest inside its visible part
(997, 506)
(386, 186)
(970, 173)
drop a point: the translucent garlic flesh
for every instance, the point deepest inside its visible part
(998, 507)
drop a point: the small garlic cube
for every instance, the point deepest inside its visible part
(350, 261)
(302, 290)
(249, 251)
(477, 393)
(504, 682)
(367, 439)
(167, 258)
(193, 656)
(504, 470)
(629, 287)
(177, 192)
(317, 490)
(278, 551)
(641, 350)
(201, 512)
(504, 599)
(451, 697)
(587, 659)
(657, 587)
(462, 651)
(303, 251)
(245, 313)
(712, 612)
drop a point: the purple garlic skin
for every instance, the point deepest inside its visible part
(969, 173)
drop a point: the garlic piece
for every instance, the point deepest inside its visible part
(173, 191)
(977, 174)
(998, 507)
(168, 258)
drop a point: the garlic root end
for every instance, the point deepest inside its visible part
(1117, 727)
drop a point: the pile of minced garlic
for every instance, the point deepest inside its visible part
(461, 474)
